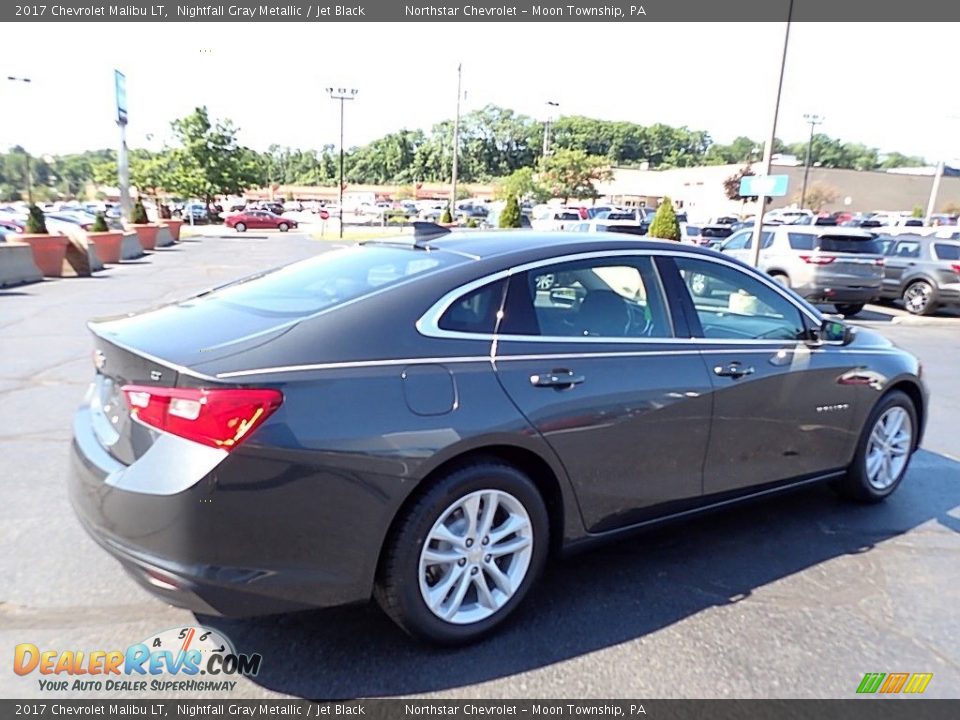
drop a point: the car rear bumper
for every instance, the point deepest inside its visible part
(228, 545)
(844, 294)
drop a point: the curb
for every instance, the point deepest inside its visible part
(926, 321)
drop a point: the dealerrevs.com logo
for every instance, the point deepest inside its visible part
(180, 659)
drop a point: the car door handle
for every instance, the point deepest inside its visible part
(556, 379)
(734, 370)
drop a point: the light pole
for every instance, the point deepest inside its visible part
(456, 148)
(814, 120)
(768, 148)
(341, 94)
(546, 127)
(26, 154)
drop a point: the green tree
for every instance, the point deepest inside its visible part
(521, 183)
(36, 222)
(446, 218)
(510, 216)
(139, 214)
(99, 224)
(665, 225)
(572, 174)
(209, 160)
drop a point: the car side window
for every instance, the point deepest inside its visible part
(475, 312)
(766, 239)
(737, 241)
(732, 305)
(907, 249)
(614, 298)
(947, 251)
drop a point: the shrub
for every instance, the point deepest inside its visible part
(165, 213)
(397, 220)
(665, 225)
(139, 215)
(99, 224)
(36, 223)
(473, 223)
(510, 216)
(917, 211)
(446, 217)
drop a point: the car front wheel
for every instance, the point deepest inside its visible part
(918, 298)
(884, 450)
(465, 554)
(283, 227)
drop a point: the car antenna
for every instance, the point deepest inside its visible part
(423, 232)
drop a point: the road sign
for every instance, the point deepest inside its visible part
(765, 185)
(120, 84)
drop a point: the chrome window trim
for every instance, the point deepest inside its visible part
(428, 324)
(485, 359)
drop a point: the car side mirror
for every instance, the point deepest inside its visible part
(833, 331)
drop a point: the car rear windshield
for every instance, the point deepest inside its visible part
(715, 232)
(835, 243)
(947, 251)
(330, 279)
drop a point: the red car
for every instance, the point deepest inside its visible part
(259, 220)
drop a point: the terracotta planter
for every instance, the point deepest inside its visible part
(106, 245)
(147, 235)
(174, 226)
(49, 252)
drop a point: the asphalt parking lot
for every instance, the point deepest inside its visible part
(792, 597)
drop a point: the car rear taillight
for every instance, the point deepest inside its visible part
(879, 261)
(955, 267)
(220, 418)
(818, 259)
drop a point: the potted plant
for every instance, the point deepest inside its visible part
(49, 250)
(172, 223)
(106, 242)
(146, 231)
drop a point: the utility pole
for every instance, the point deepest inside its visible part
(814, 120)
(546, 127)
(26, 154)
(341, 94)
(456, 147)
(123, 162)
(768, 149)
(932, 203)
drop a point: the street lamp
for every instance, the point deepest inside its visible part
(814, 120)
(341, 94)
(25, 80)
(546, 127)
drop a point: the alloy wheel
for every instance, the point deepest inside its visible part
(476, 556)
(917, 297)
(888, 448)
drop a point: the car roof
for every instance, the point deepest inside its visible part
(487, 244)
(823, 230)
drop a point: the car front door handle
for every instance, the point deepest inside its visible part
(556, 379)
(733, 370)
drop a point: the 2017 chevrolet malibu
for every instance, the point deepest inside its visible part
(426, 421)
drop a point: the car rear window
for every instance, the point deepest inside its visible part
(947, 251)
(835, 243)
(714, 232)
(330, 279)
(568, 216)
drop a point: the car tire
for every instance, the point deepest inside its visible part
(919, 298)
(876, 472)
(408, 583)
(781, 278)
(240, 227)
(849, 309)
(283, 227)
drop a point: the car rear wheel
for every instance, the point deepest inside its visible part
(781, 278)
(465, 555)
(883, 453)
(283, 227)
(849, 309)
(918, 298)
(240, 227)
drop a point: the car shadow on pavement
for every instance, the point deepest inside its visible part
(598, 599)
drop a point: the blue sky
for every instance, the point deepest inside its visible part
(887, 85)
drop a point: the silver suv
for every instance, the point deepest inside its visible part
(924, 272)
(841, 266)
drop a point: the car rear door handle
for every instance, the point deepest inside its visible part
(734, 370)
(556, 379)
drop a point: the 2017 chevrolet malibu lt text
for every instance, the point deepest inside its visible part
(425, 421)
